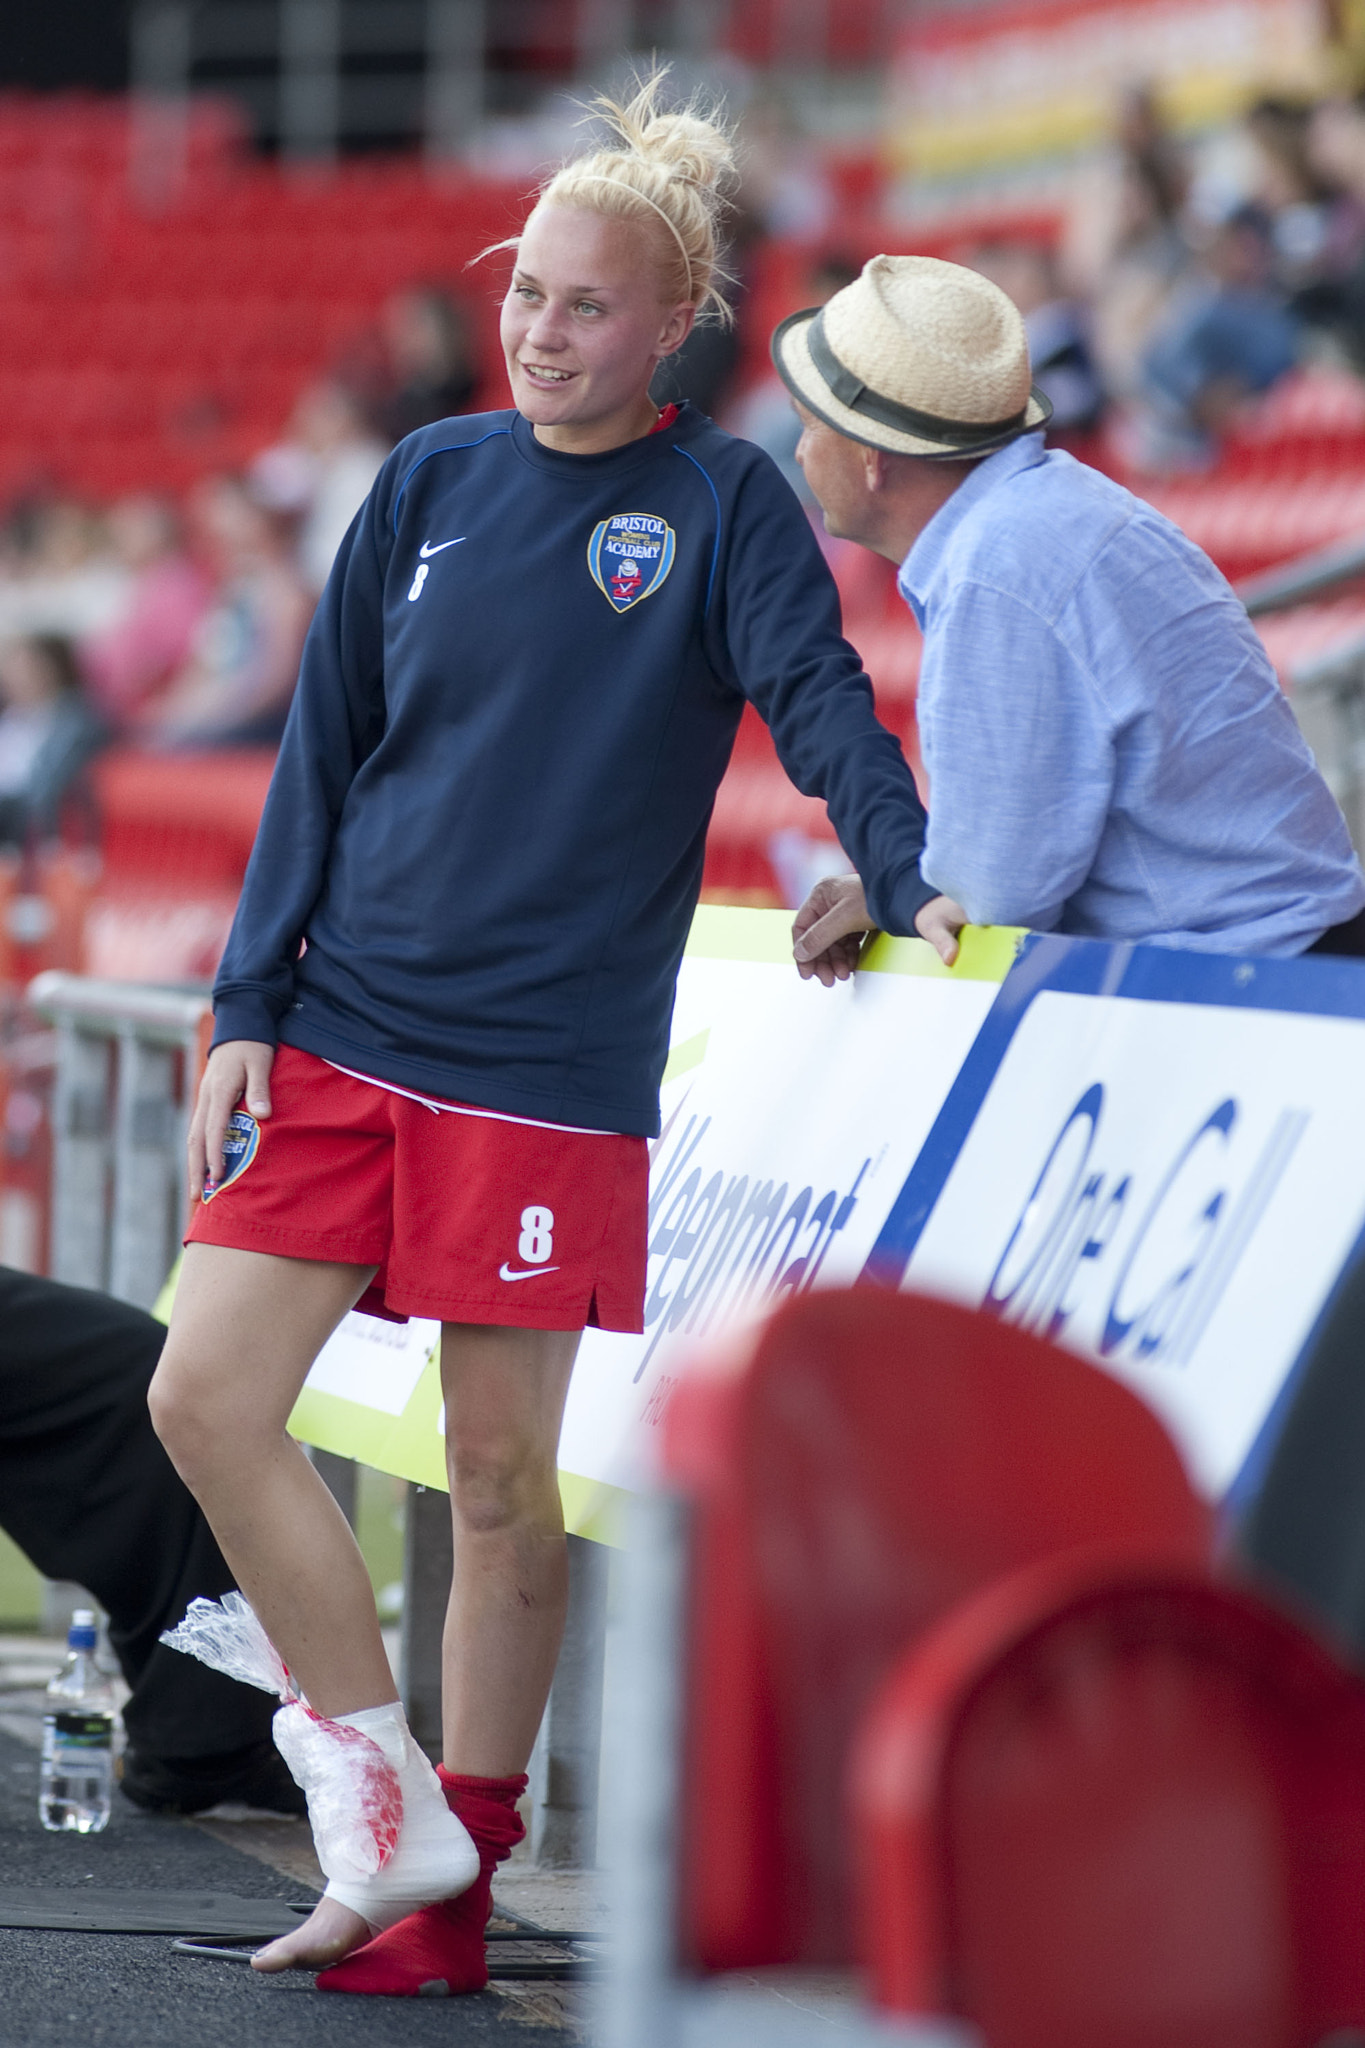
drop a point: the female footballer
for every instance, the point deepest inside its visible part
(443, 1013)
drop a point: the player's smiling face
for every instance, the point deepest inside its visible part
(583, 327)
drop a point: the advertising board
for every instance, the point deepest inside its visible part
(1155, 1158)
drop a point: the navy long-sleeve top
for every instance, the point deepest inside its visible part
(518, 697)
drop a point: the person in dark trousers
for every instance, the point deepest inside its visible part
(1303, 1535)
(88, 1494)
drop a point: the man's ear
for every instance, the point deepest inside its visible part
(874, 468)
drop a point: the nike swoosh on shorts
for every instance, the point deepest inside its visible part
(506, 1272)
(427, 549)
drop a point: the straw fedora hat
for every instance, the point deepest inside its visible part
(917, 357)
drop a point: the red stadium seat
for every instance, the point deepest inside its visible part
(1106, 1808)
(853, 1470)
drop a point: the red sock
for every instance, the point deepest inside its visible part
(439, 1952)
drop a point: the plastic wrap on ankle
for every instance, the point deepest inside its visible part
(355, 1801)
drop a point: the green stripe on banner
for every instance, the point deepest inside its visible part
(683, 1058)
(409, 1445)
(725, 932)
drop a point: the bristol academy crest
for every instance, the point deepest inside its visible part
(630, 555)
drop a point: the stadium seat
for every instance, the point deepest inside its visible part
(176, 832)
(1106, 1807)
(852, 1471)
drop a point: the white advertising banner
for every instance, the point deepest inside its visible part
(1155, 1158)
(792, 1115)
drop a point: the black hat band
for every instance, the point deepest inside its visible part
(904, 419)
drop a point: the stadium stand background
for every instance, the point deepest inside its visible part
(182, 260)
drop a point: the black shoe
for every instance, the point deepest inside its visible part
(255, 1776)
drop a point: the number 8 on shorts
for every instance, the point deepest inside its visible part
(536, 1243)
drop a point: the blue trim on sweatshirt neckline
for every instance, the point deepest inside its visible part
(446, 448)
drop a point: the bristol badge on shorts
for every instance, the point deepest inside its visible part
(240, 1147)
(630, 555)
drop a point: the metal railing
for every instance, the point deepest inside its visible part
(1327, 691)
(1315, 574)
(127, 1061)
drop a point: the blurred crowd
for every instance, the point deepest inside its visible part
(1184, 282)
(180, 626)
(1189, 281)
(1181, 283)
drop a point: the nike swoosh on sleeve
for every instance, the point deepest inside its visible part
(427, 549)
(506, 1272)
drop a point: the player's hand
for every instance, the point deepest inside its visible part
(237, 1070)
(829, 928)
(939, 922)
(833, 922)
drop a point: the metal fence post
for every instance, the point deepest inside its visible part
(453, 104)
(80, 1158)
(567, 1762)
(427, 1563)
(160, 43)
(148, 1175)
(310, 79)
(637, 2002)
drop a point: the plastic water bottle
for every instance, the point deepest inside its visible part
(75, 1788)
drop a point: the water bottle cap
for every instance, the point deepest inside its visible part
(82, 1633)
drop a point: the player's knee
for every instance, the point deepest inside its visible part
(496, 1482)
(192, 1434)
(172, 1416)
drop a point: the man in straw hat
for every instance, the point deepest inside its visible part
(1108, 749)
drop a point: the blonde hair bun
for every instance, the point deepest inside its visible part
(672, 166)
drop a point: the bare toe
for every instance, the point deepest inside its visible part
(330, 1932)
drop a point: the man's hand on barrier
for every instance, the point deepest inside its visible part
(237, 1071)
(939, 922)
(831, 925)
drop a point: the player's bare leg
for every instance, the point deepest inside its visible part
(245, 1330)
(504, 1392)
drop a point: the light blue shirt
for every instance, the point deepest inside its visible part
(1109, 751)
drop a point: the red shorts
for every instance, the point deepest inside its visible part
(470, 1216)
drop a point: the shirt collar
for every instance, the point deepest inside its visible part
(921, 565)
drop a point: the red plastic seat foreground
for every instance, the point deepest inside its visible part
(854, 1469)
(1108, 1809)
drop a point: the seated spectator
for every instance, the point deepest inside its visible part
(236, 686)
(1227, 335)
(1058, 331)
(321, 472)
(1336, 151)
(1314, 228)
(432, 371)
(764, 415)
(1124, 247)
(48, 732)
(135, 654)
(58, 575)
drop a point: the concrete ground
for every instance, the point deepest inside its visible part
(64, 1990)
(61, 1990)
